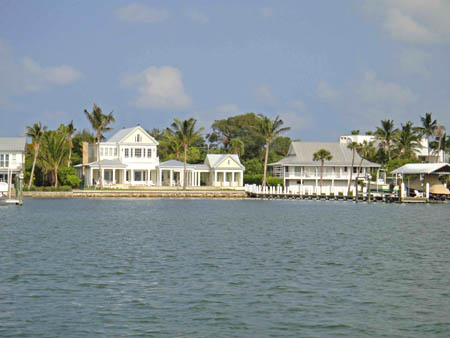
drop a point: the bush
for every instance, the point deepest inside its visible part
(68, 176)
(258, 178)
(60, 188)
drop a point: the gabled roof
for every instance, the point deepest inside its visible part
(104, 163)
(123, 133)
(215, 159)
(301, 153)
(13, 143)
(423, 168)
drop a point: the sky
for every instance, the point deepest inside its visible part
(325, 67)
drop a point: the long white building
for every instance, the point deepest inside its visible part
(130, 158)
(302, 175)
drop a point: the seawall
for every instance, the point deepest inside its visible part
(137, 194)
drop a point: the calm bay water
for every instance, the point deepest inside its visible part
(223, 268)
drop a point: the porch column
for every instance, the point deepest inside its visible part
(114, 176)
(124, 173)
(103, 175)
(132, 176)
(232, 179)
(171, 177)
(91, 176)
(160, 177)
(149, 177)
(215, 178)
(241, 178)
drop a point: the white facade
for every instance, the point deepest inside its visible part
(130, 158)
(12, 156)
(302, 175)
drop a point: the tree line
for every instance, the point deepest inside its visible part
(256, 138)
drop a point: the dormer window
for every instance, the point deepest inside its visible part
(138, 138)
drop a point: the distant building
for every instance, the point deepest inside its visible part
(421, 150)
(12, 157)
(302, 175)
(130, 158)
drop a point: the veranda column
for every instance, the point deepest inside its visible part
(132, 176)
(92, 176)
(103, 175)
(171, 177)
(114, 176)
(149, 177)
(124, 173)
(160, 178)
(241, 178)
(232, 179)
(215, 178)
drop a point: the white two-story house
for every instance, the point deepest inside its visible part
(12, 157)
(129, 157)
(302, 175)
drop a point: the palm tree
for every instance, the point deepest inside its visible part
(427, 129)
(386, 134)
(365, 150)
(70, 130)
(174, 143)
(407, 141)
(236, 147)
(353, 146)
(439, 133)
(322, 155)
(269, 129)
(99, 123)
(35, 132)
(55, 151)
(185, 132)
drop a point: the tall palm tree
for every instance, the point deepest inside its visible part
(322, 155)
(35, 132)
(365, 151)
(407, 141)
(269, 129)
(174, 143)
(439, 133)
(427, 129)
(353, 146)
(70, 130)
(100, 123)
(236, 147)
(386, 135)
(185, 131)
(55, 151)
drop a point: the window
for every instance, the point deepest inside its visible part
(138, 152)
(297, 171)
(149, 153)
(101, 151)
(286, 169)
(345, 169)
(115, 151)
(355, 169)
(4, 160)
(127, 152)
(138, 138)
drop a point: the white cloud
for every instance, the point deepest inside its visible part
(228, 109)
(159, 87)
(414, 21)
(263, 94)
(414, 61)
(378, 92)
(298, 105)
(266, 12)
(26, 75)
(141, 14)
(197, 16)
(326, 92)
(297, 122)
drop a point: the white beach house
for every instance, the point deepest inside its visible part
(130, 158)
(302, 175)
(12, 157)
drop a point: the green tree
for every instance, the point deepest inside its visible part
(35, 132)
(236, 147)
(269, 129)
(186, 132)
(365, 150)
(100, 123)
(386, 135)
(406, 141)
(322, 155)
(427, 129)
(55, 151)
(353, 146)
